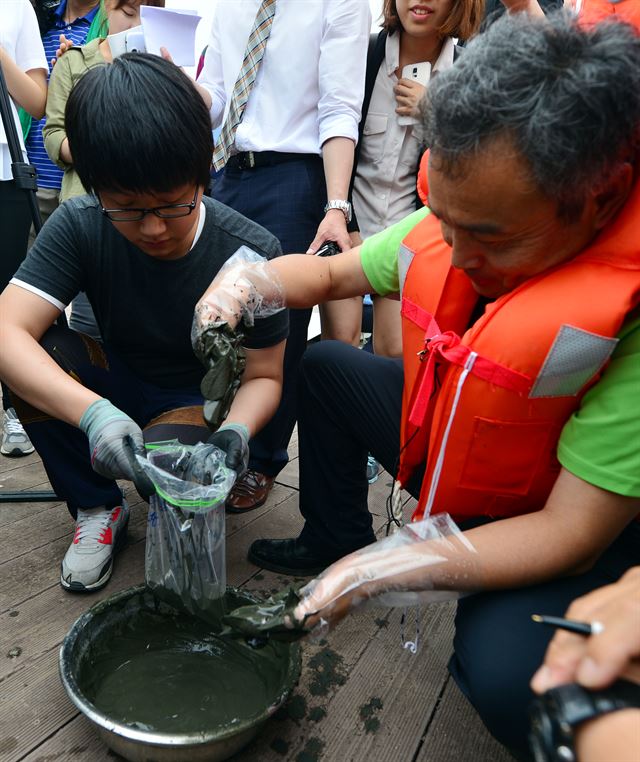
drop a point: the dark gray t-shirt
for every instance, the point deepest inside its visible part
(143, 306)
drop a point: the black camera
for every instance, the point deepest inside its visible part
(328, 249)
(45, 12)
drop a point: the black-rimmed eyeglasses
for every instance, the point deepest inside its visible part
(133, 214)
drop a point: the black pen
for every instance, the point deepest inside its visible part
(580, 628)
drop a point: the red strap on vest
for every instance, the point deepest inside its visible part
(447, 346)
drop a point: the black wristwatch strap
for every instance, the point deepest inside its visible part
(557, 713)
(580, 704)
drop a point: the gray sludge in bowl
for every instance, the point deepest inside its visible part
(160, 686)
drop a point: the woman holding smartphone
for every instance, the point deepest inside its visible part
(418, 39)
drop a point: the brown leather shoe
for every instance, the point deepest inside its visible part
(249, 492)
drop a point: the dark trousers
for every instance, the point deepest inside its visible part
(64, 449)
(350, 403)
(15, 220)
(288, 200)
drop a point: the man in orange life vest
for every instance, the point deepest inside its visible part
(515, 408)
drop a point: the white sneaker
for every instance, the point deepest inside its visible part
(15, 441)
(373, 469)
(88, 563)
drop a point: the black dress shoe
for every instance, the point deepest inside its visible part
(287, 557)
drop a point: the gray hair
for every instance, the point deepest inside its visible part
(567, 97)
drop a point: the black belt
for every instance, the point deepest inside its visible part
(253, 159)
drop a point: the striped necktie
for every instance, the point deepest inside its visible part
(252, 59)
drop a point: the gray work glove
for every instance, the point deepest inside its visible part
(233, 439)
(229, 446)
(106, 428)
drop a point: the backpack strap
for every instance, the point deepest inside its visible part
(375, 57)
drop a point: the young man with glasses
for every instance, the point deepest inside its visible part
(143, 247)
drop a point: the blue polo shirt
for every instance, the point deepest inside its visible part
(50, 176)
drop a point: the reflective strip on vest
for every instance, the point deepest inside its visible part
(574, 359)
(405, 257)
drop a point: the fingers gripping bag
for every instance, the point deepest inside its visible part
(185, 551)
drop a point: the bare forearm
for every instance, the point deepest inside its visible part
(37, 379)
(614, 736)
(337, 156)
(28, 90)
(577, 523)
(255, 403)
(65, 152)
(310, 280)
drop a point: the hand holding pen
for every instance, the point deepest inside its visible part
(598, 642)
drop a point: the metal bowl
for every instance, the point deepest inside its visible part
(139, 745)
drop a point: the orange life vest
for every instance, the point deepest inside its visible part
(487, 409)
(595, 11)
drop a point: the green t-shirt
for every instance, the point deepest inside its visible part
(601, 441)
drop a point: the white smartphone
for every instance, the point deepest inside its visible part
(420, 73)
(129, 41)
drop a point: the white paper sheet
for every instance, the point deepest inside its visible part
(172, 29)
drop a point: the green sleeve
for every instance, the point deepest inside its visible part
(60, 84)
(601, 441)
(379, 254)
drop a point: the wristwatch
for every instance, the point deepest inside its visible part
(343, 206)
(555, 715)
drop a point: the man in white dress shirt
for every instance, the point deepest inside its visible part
(292, 157)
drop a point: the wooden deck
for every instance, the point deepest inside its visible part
(360, 695)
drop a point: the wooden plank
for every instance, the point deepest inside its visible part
(289, 475)
(334, 711)
(8, 464)
(37, 705)
(37, 626)
(40, 623)
(446, 741)
(28, 533)
(284, 520)
(383, 707)
(77, 740)
(235, 522)
(364, 652)
(28, 574)
(10, 512)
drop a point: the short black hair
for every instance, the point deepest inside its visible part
(138, 125)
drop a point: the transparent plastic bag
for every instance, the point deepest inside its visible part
(424, 562)
(185, 551)
(245, 288)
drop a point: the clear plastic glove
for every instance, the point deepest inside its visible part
(107, 428)
(396, 571)
(233, 439)
(247, 287)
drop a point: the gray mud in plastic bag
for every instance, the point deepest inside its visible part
(185, 551)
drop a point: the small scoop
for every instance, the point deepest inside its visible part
(270, 619)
